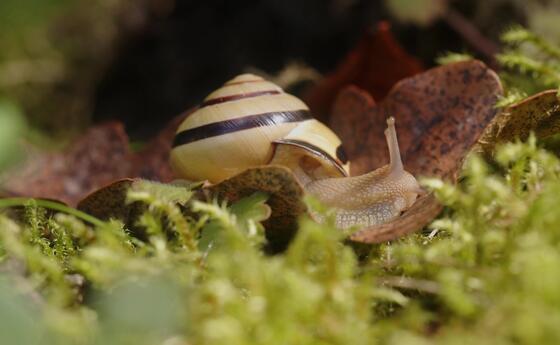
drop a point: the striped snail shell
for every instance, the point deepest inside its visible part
(250, 122)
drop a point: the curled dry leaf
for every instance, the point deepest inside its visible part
(110, 201)
(539, 113)
(285, 198)
(422, 211)
(375, 64)
(440, 115)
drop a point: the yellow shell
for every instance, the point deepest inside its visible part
(243, 124)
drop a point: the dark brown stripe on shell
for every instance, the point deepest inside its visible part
(238, 124)
(239, 96)
(316, 150)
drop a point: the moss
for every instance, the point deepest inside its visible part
(531, 63)
(489, 268)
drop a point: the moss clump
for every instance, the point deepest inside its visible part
(531, 63)
(487, 271)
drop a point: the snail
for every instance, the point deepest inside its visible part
(251, 122)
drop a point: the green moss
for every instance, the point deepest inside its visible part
(531, 63)
(489, 268)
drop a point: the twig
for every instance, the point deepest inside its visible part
(473, 36)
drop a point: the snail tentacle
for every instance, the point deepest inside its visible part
(395, 161)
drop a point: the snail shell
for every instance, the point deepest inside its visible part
(251, 122)
(248, 122)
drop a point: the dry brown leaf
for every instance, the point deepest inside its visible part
(285, 198)
(539, 113)
(440, 115)
(375, 64)
(422, 211)
(109, 201)
(100, 157)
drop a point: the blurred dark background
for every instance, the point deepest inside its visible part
(181, 57)
(145, 61)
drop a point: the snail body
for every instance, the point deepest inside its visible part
(372, 198)
(251, 122)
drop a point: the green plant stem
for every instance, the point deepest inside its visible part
(12, 202)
